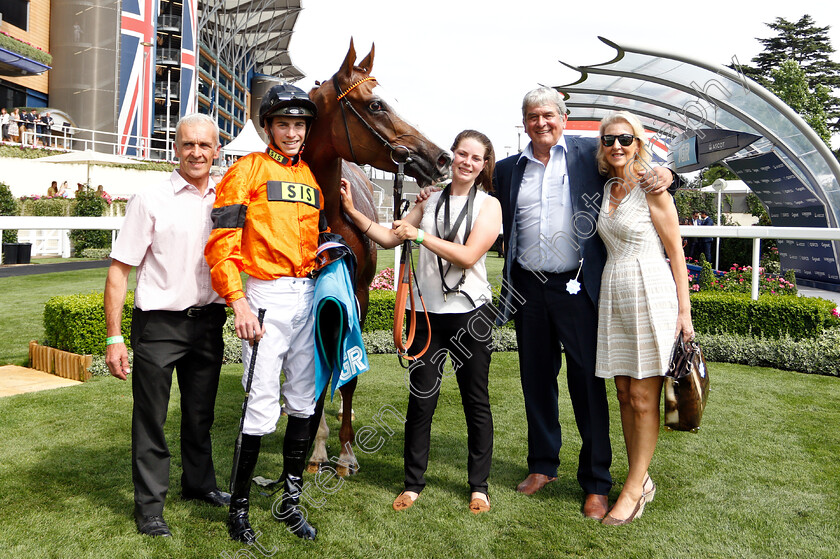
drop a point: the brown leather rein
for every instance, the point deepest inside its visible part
(405, 289)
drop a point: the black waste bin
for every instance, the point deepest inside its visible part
(24, 253)
(10, 253)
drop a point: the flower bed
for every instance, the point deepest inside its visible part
(738, 279)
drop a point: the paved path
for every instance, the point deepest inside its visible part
(29, 269)
(20, 380)
(814, 292)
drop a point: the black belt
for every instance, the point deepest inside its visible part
(191, 312)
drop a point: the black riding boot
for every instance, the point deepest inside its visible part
(240, 488)
(295, 448)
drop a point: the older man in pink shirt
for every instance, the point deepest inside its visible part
(176, 325)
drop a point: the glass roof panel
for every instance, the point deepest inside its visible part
(654, 83)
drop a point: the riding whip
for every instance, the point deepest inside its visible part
(237, 446)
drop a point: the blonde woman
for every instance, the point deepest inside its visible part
(644, 302)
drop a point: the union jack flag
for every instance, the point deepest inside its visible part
(138, 29)
(189, 49)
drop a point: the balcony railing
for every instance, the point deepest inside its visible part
(174, 90)
(169, 22)
(168, 56)
(162, 122)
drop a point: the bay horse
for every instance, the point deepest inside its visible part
(356, 126)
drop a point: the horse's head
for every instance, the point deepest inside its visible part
(365, 129)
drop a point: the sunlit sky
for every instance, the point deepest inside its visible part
(467, 63)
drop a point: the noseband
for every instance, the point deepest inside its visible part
(344, 101)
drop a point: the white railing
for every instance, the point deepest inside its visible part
(62, 225)
(71, 138)
(756, 233)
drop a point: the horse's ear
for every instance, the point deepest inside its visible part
(367, 63)
(346, 69)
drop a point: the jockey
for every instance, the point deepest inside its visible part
(266, 223)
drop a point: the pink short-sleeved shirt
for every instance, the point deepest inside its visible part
(165, 230)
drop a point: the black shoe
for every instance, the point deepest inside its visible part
(216, 497)
(152, 526)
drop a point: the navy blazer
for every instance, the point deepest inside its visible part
(706, 221)
(587, 190)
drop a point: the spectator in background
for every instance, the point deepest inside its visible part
(34, 126)
(63, 190)
(53, 189)
(692, 243)
(705, 243)
(14, 125)
(27, 133)
(5, 118)
(46, 128)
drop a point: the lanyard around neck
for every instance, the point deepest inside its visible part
(449, 234)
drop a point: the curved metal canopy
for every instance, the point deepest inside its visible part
(674, 94)
(790, 168)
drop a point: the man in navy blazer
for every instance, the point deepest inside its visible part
(706, 242)
(550, 196)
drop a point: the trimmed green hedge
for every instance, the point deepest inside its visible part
(8, 206)
(786, 332)
(380, 314)
(54, 207)
(771, 316)
(820, 355)
(76, 323)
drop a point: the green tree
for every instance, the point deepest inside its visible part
(791, 86)
(807, 45)
(715, 172)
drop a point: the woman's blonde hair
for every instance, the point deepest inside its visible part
(641, 163)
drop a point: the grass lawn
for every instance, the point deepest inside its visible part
(761, 479)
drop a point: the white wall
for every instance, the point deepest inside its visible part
(29, 176)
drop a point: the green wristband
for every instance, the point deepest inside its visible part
(419, 239)
(114, 340)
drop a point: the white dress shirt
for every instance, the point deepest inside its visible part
(544, 214)
(164, 233)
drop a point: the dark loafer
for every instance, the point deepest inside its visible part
(152, 526)
(215, 497)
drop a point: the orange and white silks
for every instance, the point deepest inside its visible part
(265, 222)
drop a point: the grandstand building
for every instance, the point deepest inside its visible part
(125, 71)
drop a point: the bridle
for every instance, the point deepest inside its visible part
(343, 102)
(405, 289)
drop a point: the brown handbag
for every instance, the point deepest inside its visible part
(686, 386)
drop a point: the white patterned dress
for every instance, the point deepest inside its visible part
(637, 311)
